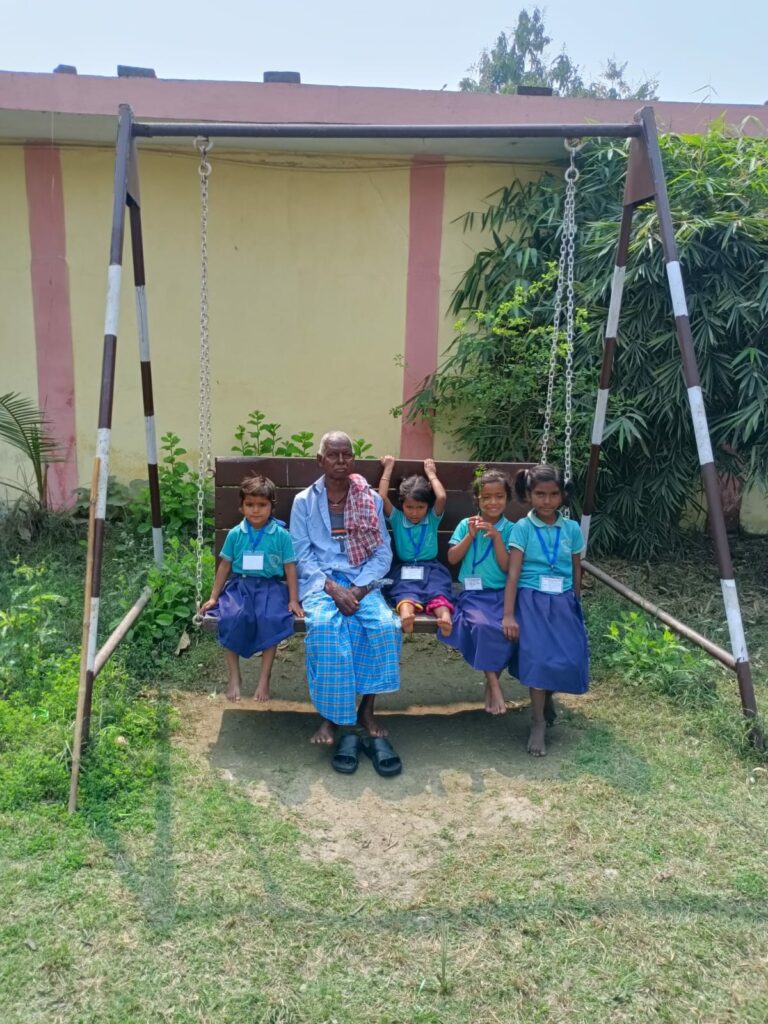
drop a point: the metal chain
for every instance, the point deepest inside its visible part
(565, 278)
(203, 146)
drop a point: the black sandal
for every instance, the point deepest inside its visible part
(382, 754)
(347, 755)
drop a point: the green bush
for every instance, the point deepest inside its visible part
(651, 657)
(649, 476)
(173, 591)
(178, 495)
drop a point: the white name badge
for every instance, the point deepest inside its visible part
(412, 572)
(551, 584)
(253, 562)
(473, 583)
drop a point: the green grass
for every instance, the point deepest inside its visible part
(638, 892)
(641, 893)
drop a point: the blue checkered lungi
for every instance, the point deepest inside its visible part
(349, 655)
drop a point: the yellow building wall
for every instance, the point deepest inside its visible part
(18, 358)
(308, 278)
(308, 272)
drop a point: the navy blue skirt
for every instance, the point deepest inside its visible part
(477, 631)
(252, 614)
(552, 652)
(436, 583)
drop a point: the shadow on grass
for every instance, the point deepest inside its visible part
(152, 883)
(272, 748)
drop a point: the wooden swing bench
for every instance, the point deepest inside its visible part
(292, 475)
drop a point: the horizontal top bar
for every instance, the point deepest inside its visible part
(233, 130)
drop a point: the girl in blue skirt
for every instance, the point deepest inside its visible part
(420, 582)
(480, 544)
(252, 605)
(542, 599)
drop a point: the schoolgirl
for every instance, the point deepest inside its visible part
(254, 608)
(420, 582)
(480, 544)
(542, 599)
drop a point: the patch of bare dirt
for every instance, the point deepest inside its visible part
(392, 847)
(390, 832)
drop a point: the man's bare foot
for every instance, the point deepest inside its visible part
(326, 734)
(550, 712)
(495, 703)
(233, 689)
(445, 624)
(262, 690)
(536, 744)
(367, 721)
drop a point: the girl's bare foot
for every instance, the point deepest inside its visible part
(407, 617)
(326, 734)
(495, 703)
(444, 623)
(233, 675)
(550, 714)
(262, 690)
(536, 744)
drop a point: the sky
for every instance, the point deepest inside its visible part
(410, 44)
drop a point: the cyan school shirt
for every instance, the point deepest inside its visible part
(480, 559)
(274, 543)
(415, 543)
(535, 564)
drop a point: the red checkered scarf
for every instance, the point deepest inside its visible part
(361, 521)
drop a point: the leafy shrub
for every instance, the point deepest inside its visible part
(120, 498)
(173, 584)
(651, 657)
(262, 438)
(258, 437)
(178, 495)
(29, 633)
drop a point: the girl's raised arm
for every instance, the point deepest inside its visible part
(439, 491)
(388, 462)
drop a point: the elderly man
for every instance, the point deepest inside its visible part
(353, 639)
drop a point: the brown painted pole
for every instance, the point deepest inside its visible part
(117, 636)
(604, 385)
(699, 417)
(142, 321)
(104, 430)
(77, 742)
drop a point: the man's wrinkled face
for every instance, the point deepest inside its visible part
(338, 461)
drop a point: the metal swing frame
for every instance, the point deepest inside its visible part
(645, 183)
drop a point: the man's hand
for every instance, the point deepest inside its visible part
(344, 598)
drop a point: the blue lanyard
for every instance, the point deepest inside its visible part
(479, 561)
(550, 556)
(255, 538)
(417, 547)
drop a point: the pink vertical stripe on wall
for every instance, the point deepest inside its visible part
(50, 302)
(422, 306)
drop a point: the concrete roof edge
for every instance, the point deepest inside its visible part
(193, 100)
